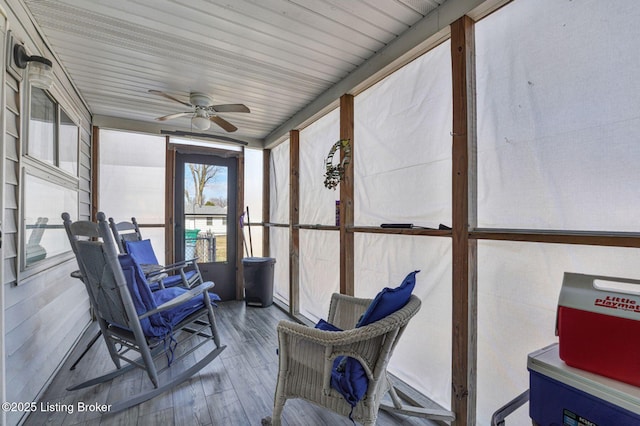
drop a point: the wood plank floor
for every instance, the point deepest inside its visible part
(237, 388)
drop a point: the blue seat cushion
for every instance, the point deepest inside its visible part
(158, 325)
(347, 374)
(389, 300)
(175, 315)
(172, 280)
(142, 251)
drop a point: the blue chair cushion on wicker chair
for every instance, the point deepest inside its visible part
(323, 325)
(348, 376)
(389, 300)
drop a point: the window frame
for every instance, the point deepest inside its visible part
(32, 166)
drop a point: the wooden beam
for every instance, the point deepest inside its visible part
(400, 231)
(95, 172)
(294, 219)
(607, 239)
(169, 203)
(266, 200)
(464, 291)
(239, 236)
(346, 200)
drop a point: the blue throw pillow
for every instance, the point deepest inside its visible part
(347, 375)
(388, 301)
(142, 252)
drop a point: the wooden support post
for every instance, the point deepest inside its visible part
(266, 200)
(464, 292)
(346, 200)
(169, 203)
(239, 237)
(294, 221)
(95, 172)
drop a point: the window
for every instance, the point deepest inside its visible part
(49, 182)
(68, 144)
(209, 221)
(44, 202)
(42, 127)
(53, 136)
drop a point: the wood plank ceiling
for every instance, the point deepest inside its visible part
(275, 56)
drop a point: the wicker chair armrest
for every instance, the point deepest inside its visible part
(184, 297)
(317, 349)
(337, 338)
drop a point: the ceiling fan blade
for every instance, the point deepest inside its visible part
(172, 116)
(158, 92)
(230, 108)
(223, 123)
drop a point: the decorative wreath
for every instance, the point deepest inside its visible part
(335, 173)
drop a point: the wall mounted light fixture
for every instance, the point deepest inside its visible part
(40, 72)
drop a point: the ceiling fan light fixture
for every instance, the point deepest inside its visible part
(200, 121)
(203, 111)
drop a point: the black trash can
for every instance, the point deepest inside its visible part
(258, 280)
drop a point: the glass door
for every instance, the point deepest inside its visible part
(205, 225)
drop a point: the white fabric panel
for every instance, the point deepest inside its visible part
(518, 288)
(253, 183)
(319, 271)
(423, 355)
(156, 235)
(317, 203)
(279, 250)
(559, 128)
(279, 184)
(253, 175)
(403, 145)
(132, 175)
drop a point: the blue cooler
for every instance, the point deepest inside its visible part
(560, 395)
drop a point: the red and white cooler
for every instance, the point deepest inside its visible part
(598, 324)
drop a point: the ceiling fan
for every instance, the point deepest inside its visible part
(203, 111)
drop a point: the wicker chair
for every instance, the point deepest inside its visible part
(307, 355)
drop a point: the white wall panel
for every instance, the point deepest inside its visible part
(279, 184)
(279, 250)
(319, 271)
(317, 203)
(132, 176)
(423, 355)
(403, 145)
(558, 123)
